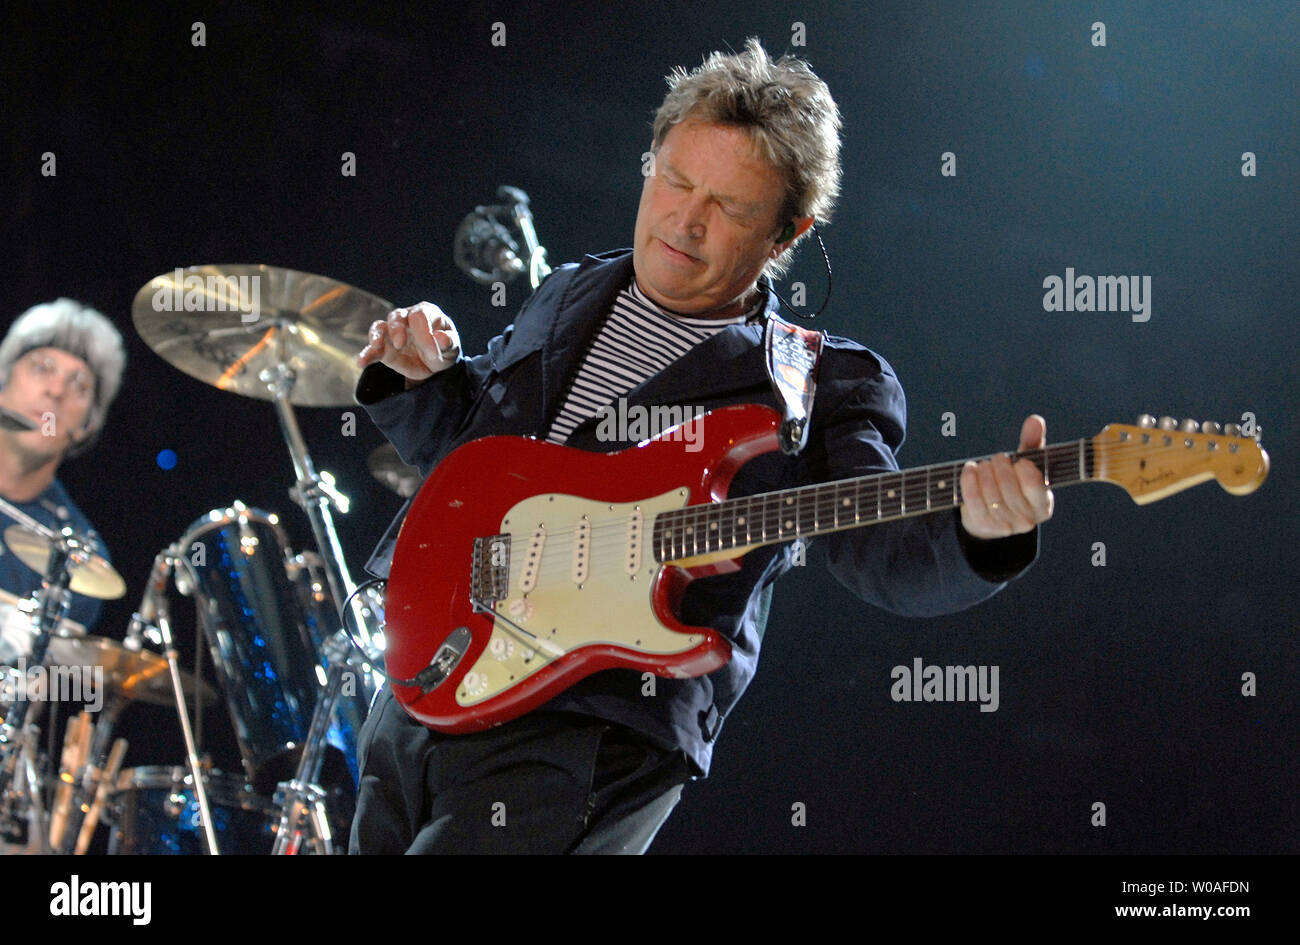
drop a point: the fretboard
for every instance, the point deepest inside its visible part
(807, 511)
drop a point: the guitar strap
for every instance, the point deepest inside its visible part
(793, 354)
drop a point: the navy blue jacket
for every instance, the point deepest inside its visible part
(920, 566)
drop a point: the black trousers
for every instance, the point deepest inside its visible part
(546, 783)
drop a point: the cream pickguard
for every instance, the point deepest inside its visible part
(580, 574)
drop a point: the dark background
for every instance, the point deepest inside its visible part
(1119, 684)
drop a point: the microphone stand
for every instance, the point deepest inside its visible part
(538, 269)
(156, 611)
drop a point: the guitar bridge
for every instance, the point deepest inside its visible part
(490, 570)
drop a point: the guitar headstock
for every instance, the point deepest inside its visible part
(1156, 458)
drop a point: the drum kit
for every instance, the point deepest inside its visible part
(296, 673)
(295, 642)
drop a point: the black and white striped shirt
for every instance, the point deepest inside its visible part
(636, 342)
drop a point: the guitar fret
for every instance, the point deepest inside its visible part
(807, 511)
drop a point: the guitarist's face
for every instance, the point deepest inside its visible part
(708, 220)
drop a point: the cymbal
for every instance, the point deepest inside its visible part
(92, 576)
(232, 325)
(137, 674)
(386, 466)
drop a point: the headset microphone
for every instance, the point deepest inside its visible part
(786, 234)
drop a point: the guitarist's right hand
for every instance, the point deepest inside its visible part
(416, 342)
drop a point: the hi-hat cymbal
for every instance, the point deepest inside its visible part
(92, 576)
(136, 674)
(232, 326)
(386, 466)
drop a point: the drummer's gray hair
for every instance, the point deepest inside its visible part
(79, 330)
(785, 108)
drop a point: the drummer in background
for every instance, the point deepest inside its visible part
(60, 367)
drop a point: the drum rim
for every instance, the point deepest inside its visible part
(230, 515)
(224, 790)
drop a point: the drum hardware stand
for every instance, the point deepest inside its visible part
(18, 734)
(12, 803)
(303, 796)
(155, 611)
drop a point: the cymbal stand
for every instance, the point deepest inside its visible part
(315, 494)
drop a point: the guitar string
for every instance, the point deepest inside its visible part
(911, 483)
(1065, 451)
(602, 537)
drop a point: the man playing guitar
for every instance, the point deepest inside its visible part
(746, 159)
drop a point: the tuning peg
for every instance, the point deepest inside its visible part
(1231, 429)
(1168, 423)
(1146, 420)
(1209, 426)
(1189, 426)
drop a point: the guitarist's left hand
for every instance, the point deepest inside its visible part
(1000, 499)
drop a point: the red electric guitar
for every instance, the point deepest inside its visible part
(523, 566)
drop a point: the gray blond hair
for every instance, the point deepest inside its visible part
(78, 330)
(785, 108)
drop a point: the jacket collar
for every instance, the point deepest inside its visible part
(730, 360)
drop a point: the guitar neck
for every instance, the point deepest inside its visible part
(807, 511)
